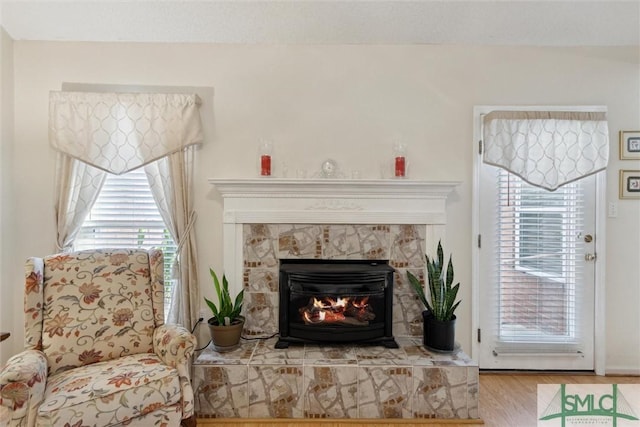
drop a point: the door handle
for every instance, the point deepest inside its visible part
(590, 257)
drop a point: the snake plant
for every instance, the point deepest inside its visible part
(227, 311)
(442, 302)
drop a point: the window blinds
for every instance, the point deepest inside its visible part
(125, 215)
(538, 266)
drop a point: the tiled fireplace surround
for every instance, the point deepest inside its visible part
(267, 220)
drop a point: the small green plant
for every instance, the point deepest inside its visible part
(227, 311)
(442, 303)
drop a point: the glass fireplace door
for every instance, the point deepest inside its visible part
(336, 302)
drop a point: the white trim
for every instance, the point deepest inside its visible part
(599, 295)
(336, 217)
(324, 201)
(600, 309)
(475, 231)
(334, 188)
(621, 370)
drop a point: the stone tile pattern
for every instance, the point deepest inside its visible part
(336, 382)
(265, 244)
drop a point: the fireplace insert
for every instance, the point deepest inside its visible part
(336, 301)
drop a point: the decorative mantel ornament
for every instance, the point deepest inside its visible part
(329, 169)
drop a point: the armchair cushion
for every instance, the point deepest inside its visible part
(110, 393)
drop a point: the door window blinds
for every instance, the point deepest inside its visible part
(538, 265)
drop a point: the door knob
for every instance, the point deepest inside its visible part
(589, 257)
(588, 238)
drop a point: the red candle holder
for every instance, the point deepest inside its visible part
(400, 157)
(265, 165)
(265, 152)
(400, 167)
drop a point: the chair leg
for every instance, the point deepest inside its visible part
(188, 422)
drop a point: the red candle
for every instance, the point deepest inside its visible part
(400, 166)
(265, 165)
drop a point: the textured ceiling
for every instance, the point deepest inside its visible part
(537, 23)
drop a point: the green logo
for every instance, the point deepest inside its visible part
(587, 408)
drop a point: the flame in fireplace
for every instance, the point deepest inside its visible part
(338, 310)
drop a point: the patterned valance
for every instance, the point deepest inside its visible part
(547, 148)
(119, 132)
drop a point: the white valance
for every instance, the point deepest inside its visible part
(547, 148)
(119, 132)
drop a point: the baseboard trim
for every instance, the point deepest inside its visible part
(610, 372)
(532, 372)
(328, 422)
(619, 372)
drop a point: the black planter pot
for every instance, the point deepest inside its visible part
(438, 335)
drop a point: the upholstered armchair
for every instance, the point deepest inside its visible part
(97, 351)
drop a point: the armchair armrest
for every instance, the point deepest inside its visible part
(175, 345)
(22, 383)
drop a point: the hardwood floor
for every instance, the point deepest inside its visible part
(506, 400)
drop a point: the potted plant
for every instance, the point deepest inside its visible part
(439, 317)
(226, 323)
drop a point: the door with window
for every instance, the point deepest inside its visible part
(536, 271)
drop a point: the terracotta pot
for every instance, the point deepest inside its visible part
(225, 338)
(438, 335)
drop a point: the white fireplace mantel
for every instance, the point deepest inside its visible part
(286, 187)
(333, 201)
(324, 201)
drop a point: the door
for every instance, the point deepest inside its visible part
(536, 271)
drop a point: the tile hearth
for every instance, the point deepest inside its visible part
(335, 381)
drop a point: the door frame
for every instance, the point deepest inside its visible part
(599, 344)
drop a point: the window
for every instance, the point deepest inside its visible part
(125, 215)
(537, 237)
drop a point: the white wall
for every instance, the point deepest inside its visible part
(345, 102)
(6, 195)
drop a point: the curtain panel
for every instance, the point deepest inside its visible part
(119, 132)
(77, 188)
(99, 133)
(171, 181)
(547, 149)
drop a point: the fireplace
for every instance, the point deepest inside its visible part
(335, 301)
(266, 221)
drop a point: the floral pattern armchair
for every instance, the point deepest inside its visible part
(97, 351)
